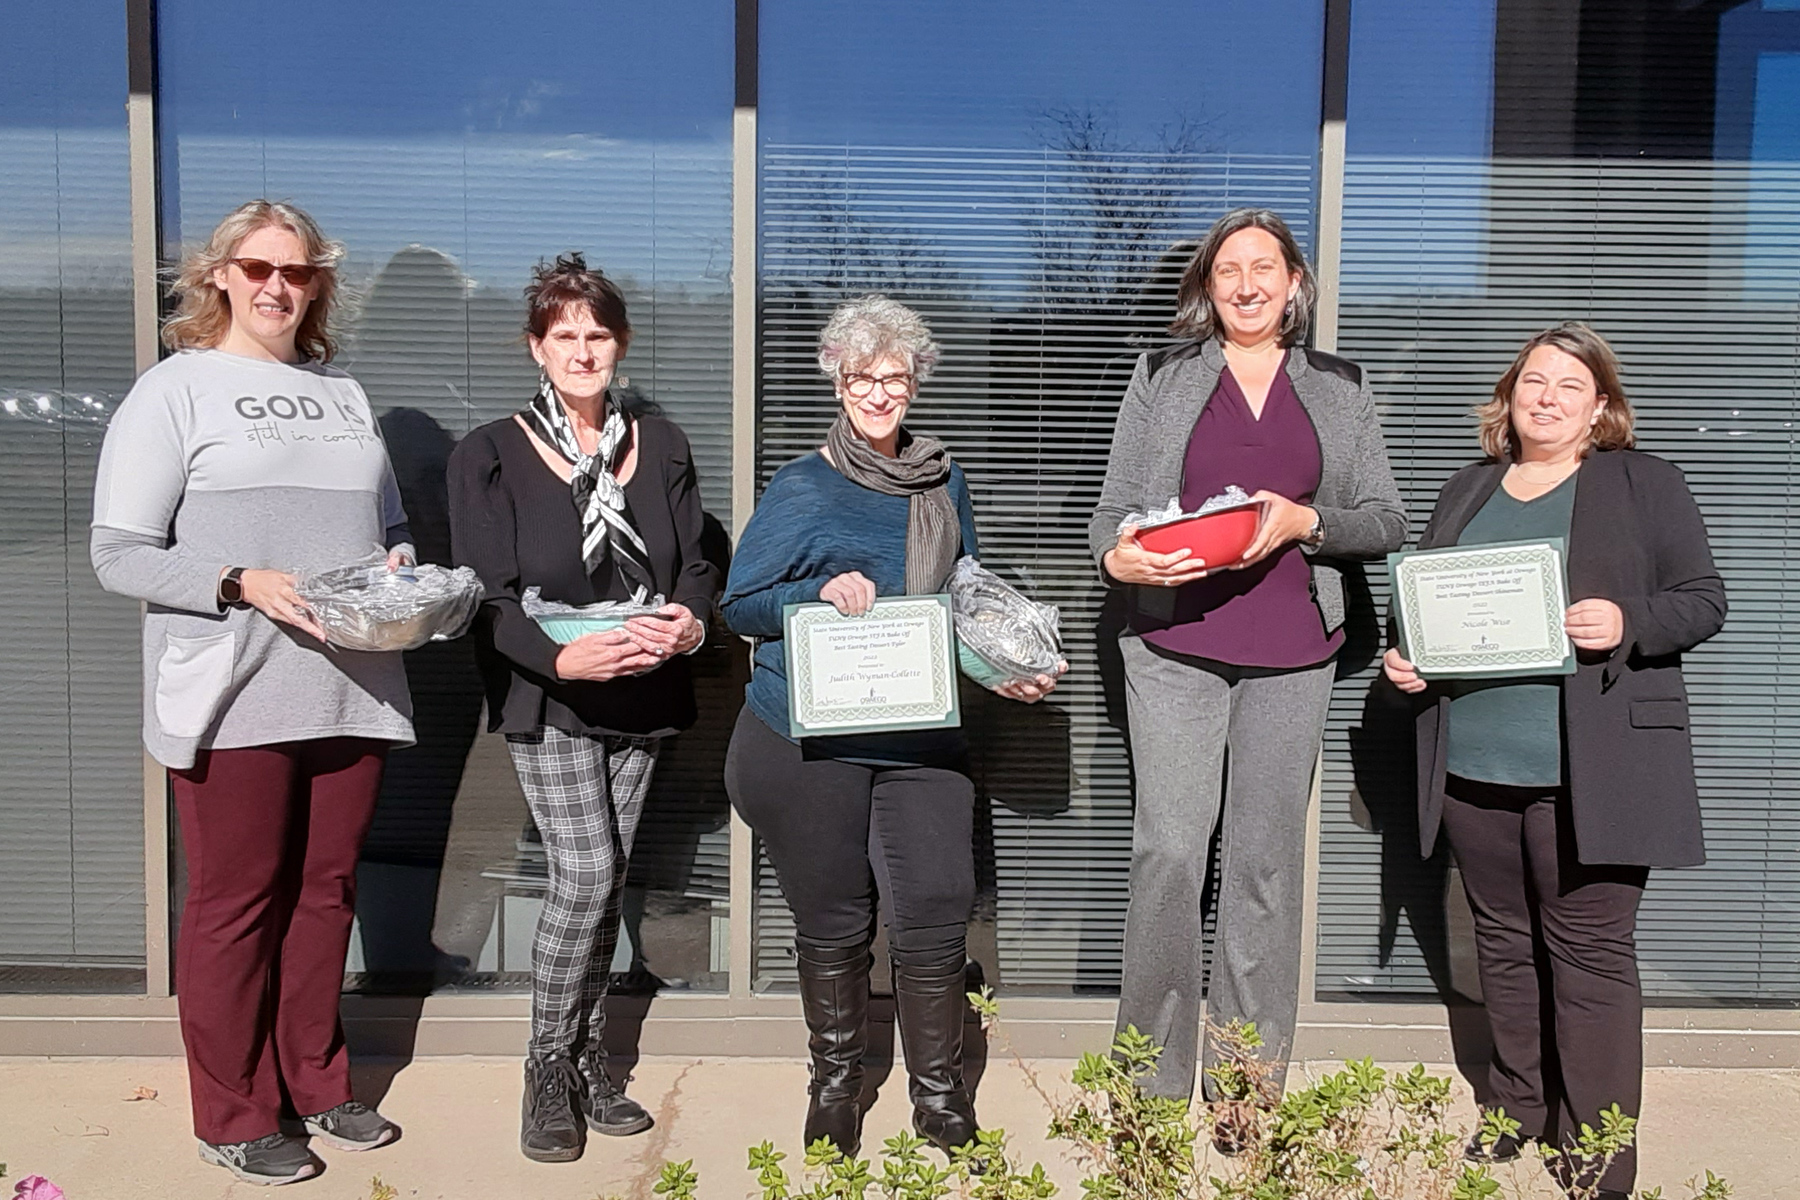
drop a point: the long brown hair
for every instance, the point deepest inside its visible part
(1613, 430)
(1195, 315)
(203, 313)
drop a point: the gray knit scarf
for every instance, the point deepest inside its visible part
(921, 471)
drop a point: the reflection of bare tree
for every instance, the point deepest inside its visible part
(845, 238)
(1111, 213)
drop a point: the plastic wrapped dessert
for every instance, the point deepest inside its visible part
(566, 622)
(365, 606)
(1218, 532)
(1002, 635)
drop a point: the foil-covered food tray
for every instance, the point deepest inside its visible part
(365, 606)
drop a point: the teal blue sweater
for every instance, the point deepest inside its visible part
(810, 525)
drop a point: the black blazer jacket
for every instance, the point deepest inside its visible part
(1636, 539)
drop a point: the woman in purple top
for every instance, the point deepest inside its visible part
(1234, 661)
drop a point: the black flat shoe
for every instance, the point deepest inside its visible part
(1504, 1150)
(1236, 1126)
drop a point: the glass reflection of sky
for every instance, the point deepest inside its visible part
(65, 199)
(496, 136)
(950, 73)
(354, 69)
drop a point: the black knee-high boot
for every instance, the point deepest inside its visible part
(929, 1008)
(834, 993)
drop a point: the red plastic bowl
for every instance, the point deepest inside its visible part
(1218, 538)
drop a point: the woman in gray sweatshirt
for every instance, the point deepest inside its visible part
(231, 466)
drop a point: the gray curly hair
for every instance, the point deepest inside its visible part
(872, 327)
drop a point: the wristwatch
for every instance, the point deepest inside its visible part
(1315, 536)
(231, 587)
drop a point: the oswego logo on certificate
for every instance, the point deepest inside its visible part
(890, 669)
(1478, 612)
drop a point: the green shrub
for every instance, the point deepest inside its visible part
(1360, 1133)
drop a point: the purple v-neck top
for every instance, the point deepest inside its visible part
(1261, 616)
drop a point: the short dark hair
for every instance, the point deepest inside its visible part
(1195, 316)
(569, 281)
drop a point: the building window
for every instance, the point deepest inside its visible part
(451, 149)
(1033, 184)
(71, 764)
(1516, 163)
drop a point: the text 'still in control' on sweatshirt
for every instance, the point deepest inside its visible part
(215, 460)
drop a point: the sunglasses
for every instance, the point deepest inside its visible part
(257, 271)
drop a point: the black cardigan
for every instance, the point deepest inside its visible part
(513, 520)
(1636, 539)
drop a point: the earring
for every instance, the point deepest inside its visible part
(544, 389)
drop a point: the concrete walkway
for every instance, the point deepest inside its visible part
(70, 1120)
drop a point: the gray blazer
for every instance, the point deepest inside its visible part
(1356, 498)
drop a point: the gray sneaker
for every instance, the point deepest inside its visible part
(270, 1161)
(352, 1126)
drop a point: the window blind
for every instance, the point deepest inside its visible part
(1692, 271)
(449, 172)
(1043, 274)
(71, 795)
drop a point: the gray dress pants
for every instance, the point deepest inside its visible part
(1197, 738)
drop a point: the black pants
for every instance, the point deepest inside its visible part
(845, 836)
(1555, 940)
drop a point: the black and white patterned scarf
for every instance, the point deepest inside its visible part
(607, 529)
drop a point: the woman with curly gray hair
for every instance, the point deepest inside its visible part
(850, 822)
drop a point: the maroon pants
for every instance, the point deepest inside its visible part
(272, 835)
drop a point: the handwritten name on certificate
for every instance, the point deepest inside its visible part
(892, 668)
(1484, 611)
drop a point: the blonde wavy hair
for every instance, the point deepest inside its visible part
(1614, 429)
(203, 313)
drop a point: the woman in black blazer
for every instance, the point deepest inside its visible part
(1558, 794)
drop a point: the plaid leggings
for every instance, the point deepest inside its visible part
(586, 795)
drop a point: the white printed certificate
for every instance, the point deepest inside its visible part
(1482, 612)
(890, 669)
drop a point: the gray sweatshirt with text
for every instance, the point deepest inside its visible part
(215, 460)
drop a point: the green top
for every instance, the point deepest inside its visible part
(1510, 730)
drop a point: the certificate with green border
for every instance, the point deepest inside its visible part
(890, 669)
(1484, 612)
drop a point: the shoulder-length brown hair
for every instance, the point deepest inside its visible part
(1614, 429)
(1195, 315)
(203, 312)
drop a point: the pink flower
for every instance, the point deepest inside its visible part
(36, 1187)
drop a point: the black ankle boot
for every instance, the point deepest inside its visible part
(834, 994)
(550, 1128)
(929, 1009)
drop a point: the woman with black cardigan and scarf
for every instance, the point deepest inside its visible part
(1559, 794)
(586, 502)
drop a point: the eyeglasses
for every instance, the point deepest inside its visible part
(257, 271)
(898, 387)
